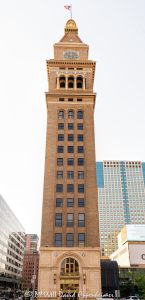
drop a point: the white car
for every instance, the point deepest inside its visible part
(132, 298)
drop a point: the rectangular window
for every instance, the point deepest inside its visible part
(70, 202)
(80, 149)
(60, 126)
(70, 137)
(58, 220)
(61, 99)
(58, 239)
(59, 202)
(70, 126)
(70, 188)
(80, 174)
(80, 161)
(69, 240)
(81, 220)
(80, 126)
(70, 161)
(59, 161)
(70, 174)
(80, 188)
(60, 149)
(70, 149)
(59, 174)
(81, 239)
(59, 188)
(60, 137)
(80, 137)
(70, 220)
(70, 99)
(81, 202)
(79, 100)
(80, 114)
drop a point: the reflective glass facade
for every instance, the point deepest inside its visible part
(121, 199)
(12, 241)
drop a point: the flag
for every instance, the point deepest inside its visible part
(67, 7)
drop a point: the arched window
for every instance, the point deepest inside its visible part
(71, 82)
(70, 114)
(61, 114)
(80, 114)
(62, 82)
(69, 266)
(79, 82)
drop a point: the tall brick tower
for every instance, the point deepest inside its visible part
(69, 251)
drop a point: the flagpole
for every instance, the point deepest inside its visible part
(71, 11)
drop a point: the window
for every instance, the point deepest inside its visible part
(80, 137)
(58, 220)
(81, 202)
(60, 137)
(80, 126)
(59, 161)
(80, 174)
(80, 188)
(79, 82)
(70, 220)
(70, 114)
(69, 240)
(60, 149)
(59, 202)
(70, 174)
(81, 220)
(62, 82)
(80, 114)
(70, 188)
(80, 149)
(61, 99)
(70, 99)
(80, 161)
(81, 239)
(71, 82)
(61, 114)
(70, 149)
(70, 161)
(79, 100)
(60, 126)
(58, 239)
(70, 137)
(69, 266)
(59, 174)
(59, 188)
(70, 202)
(70, 126)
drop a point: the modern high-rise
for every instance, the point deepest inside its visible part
(12, 242)
(121, 199)
(69, 250)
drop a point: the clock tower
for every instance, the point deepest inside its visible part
(69, 251)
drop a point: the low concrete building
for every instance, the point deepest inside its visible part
(131, 247)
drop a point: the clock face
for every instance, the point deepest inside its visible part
(71, 54)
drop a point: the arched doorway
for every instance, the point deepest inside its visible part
(69, 278)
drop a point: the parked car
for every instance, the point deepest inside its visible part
(132, 298)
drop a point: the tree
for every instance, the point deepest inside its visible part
(139, 280)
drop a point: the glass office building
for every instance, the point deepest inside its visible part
(12, 242)
(121, 199)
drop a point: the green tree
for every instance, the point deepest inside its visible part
(139, 280)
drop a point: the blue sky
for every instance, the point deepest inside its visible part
(115, 32)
